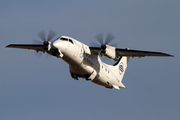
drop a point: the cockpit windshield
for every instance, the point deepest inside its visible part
(65, 39)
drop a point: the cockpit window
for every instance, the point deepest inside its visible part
(71, 41)
(64, 39)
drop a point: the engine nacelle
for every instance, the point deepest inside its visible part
(110, 52)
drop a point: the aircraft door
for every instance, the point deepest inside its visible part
(76, 50)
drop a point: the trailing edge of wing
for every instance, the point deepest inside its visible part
(139, 53)
(35, 47)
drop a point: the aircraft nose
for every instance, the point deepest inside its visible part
(56, 44)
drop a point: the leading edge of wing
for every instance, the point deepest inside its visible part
(132, 53)
(140, 53)
(27, 46)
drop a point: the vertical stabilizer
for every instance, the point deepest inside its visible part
(120, 67)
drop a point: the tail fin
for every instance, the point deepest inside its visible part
(120, 67)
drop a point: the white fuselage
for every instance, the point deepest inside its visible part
(84, 64)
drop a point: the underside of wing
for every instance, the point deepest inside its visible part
(95, 50)
(35, 47)
(139, 53)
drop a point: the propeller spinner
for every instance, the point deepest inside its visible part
(46, 41)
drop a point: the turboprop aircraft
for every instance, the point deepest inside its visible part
(84, 61)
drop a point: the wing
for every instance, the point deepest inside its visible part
(95, 50)
(35, 47)
(139, 53)
(131, 53)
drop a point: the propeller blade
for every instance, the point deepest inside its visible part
(36, 41)
(99, 38)
(45, 42)
(94, 44)
(114, 44)
(38, 54)
(42, 35)
(109, 38)
(51, 35)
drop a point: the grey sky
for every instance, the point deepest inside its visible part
(35, 88)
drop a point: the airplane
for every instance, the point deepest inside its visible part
(85, 62)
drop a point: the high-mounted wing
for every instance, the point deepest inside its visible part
(95, 50)
(139, 53)
(130, 53)
(35, 47)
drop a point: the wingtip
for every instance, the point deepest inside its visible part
(171, 55)
(7, 46)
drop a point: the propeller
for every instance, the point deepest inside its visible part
(45, 40)
(42, 35)
(103, 43)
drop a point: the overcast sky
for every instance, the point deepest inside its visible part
(33, 88)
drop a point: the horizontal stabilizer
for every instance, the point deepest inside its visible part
(116, 87)
(121, 85)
